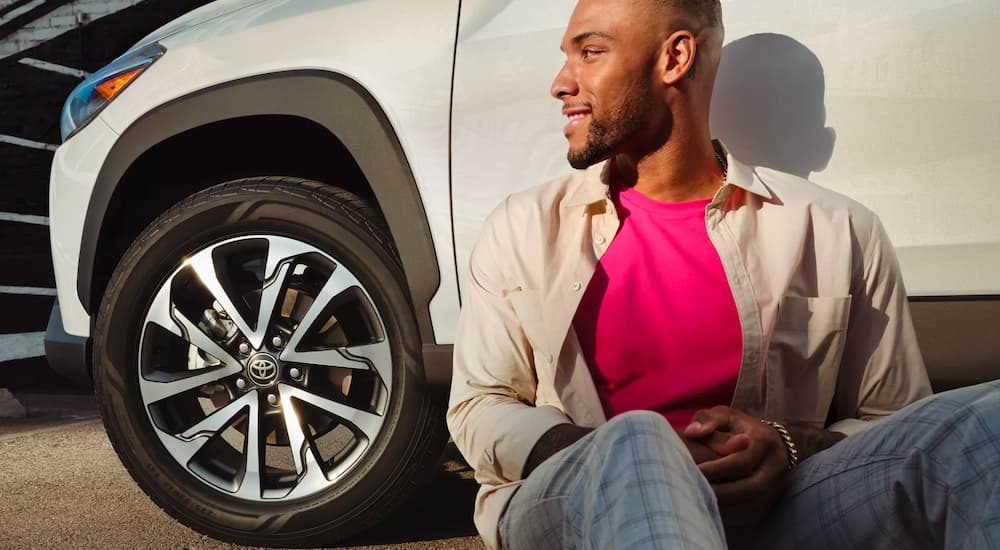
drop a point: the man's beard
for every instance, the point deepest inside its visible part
(603, 139)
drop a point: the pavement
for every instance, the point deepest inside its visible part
(62, 486)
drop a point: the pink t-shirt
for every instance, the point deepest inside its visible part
(658, 323)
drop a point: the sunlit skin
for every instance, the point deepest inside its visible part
(625, 92)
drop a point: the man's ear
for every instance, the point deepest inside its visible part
(678, 57)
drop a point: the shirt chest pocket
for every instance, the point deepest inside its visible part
(805, 351)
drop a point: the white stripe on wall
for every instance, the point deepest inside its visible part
(6, 3)
(27, 143)
(23, 218)
(53, 67)
(53, 24)
(21, 346)
(28, 290)
(15, 13)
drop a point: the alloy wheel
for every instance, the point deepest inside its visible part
(264, 368)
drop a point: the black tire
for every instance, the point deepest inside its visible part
(332, 220)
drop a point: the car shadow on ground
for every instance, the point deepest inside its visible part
(442, 509)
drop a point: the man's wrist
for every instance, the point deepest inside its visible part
(556, 439)
(791, 450)
(810, 440)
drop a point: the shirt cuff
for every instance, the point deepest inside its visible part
(526, 427)
(850, 426)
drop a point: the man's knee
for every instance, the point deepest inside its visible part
(639, 420)
(641, 424)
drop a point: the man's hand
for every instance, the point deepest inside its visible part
(748, 481)
(749, 476)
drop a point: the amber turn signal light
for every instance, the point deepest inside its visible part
(113, 86)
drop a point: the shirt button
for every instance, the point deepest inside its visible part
(601, 239)
(576, 286)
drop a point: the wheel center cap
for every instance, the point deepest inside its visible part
(263, 369)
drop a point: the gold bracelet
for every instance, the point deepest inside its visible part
(786, 438)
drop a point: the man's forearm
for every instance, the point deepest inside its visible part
(556, 439)
(810, 440)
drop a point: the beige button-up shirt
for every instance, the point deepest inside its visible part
(827, 335)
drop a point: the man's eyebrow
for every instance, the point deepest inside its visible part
(576, 40)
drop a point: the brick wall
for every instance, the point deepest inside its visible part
(45, 46)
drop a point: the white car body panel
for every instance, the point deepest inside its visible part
(910, 92)
(74, 170)
(371, 42)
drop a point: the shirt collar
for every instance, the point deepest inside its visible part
(596, 179)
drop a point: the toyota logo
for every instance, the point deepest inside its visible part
(263, 369)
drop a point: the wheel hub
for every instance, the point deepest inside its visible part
(262, 369)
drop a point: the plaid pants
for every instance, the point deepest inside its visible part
(927, 477)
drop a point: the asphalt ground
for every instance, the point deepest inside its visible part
(61, 486)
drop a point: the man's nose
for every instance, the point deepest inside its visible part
(565, 83)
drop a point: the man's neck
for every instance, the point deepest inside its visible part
(681, 170)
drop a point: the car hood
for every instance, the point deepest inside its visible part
(207, 15)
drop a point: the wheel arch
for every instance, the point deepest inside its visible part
(312, 112)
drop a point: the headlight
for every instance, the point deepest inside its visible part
(94, 93)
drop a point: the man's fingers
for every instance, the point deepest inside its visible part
(707, 421)
(727, 444)
(699, 451)
(723, 443)
(732, 467)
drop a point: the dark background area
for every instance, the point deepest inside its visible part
(30, 102)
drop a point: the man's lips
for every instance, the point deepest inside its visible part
(576, 117)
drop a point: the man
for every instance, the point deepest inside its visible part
(675, 350)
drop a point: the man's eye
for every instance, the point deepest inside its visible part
(589, 52)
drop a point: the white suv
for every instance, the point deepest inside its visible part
(261, 212)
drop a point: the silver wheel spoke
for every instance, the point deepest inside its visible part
(311, 476)
(250, 485)
(378, 356)
(293, 426)
(326, 358)
(339, 281)
(153, 391)
(312, 480)
(161, 311)
(368, 423)
(280, 251)
(184, 446)
(204, 267)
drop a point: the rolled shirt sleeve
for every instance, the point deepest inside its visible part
(882, 370)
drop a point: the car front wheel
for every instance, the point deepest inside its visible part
(256, 365)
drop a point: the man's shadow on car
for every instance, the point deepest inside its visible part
(768, 106)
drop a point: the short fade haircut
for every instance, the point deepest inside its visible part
(706, 13)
